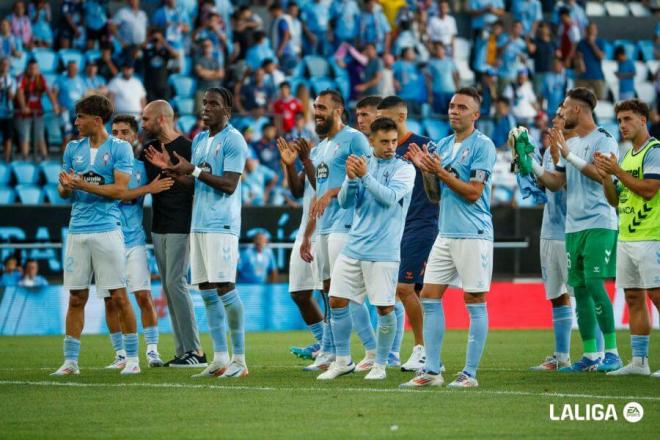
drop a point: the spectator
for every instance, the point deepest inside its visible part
(484, 14)
(511, 54)
(11, 275)
(488, 92)
(503, 122)
(266, 148)
(295, 27)
(129, 25)
(157, 54)
(626, 74)
(372, 73)
(96, 22)
(246, 24)
(521, 93)
(577, 13)
(300, 130)
(70, 23)
(274, 76)
(253, 96)
(353, 62)
(409, 81)
(386, 86)
(259, 52)
(569, 36)
(345, 15)
(107, 66)
(21, 27)
(302, 93)
(407, 38)
(374, 28)
(486, 47)
(209, 72)
(213, 29)
(529, 13)
(256, 265)
(315, 18)
(174, 21)
(281, 38)
(69, 88)
(258, 182)
(7, 95)
(10, 45)
(543, 50)
(590, 53)
(443, 78)
(31, 277)
(441, 28)
(127, 92)
(40, 16)
(94, 83)
(30, 113)
(286, 108)
(555, 84)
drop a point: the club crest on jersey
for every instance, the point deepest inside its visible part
(322, 172)
(106, 158)
(138, 176)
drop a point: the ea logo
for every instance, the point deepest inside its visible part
(633, 412)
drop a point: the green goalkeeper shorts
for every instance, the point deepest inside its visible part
(591, 254)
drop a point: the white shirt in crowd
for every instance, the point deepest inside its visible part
(131, 25)
(128, 94)
(442, 30)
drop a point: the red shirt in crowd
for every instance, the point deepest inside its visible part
(288, 108)
(33, 89)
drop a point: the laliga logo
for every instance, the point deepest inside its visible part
(633, 412)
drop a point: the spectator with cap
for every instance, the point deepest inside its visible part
(374, 28)
(256, 264)
(258, 181)
(69, 88)
(129, 24)
(7, 95)
(31, 277)
(40, 16)
(590, 53)
(315, 18)
(442, 28)
(543, 50)
(95, 19)
(10, 45)
(127, 92)
(20, 24)
(285, 109)
(11, 274)
(626, 74)
(94, 83)
(444, 79)
(208, 71)
(157, 54)
(71, 25)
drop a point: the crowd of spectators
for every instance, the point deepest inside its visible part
(522, 57)
(13, 274)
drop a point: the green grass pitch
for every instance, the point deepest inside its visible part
(279, 401)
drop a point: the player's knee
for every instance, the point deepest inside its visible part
(384, 310)
(223, 288)
(405, 291)
(301, 298)
(336, 303)
(474, 298)
(635, 298)
(144, 300)
(561, 301)
(78, 300)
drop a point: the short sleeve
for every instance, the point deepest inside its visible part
(66, 158)
(384, 23)
(483, 159)
(651, 164)
(123, 158)
(360, 145)
(235, 154)
(607, 145)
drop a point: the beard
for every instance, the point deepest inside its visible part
(323, 128)
(570, 125)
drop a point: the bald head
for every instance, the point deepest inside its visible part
(159, 108)
(158, 119)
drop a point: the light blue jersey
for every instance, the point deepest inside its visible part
(330, 163)
(586, 205)
(214, 210)
(131, 212)
(471, 160)
(89, 212)
(380, 202)
(554, 211)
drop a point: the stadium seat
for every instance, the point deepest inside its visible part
(51, 171)
(653, 66)
(5, 174)
(337, 70)
(186, 123)
(67, 55)
(53, 196)
(258, 125)
(609, 70)
(646, 92)
(186, 66)
(50, 79)
(30, 194)
(631, 49)
(316, 66)
(344, 87)
(608, 49)
(7, 195)
(92, 55)
(641, 72)
(466, 74)
(18, 64)
(462, 48)
(617, 9)
(604, 111)
(46, 103)
(184, 86)
(47, 60)
(646, 49)
(241, 122)
(436, 129)
(637, 9)
(415, 126)
(53, 129)
(595, 9)
(184, 106)
(321, 84)
(26, 173)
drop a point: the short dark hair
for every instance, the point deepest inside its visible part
(392, 102)
(285, 84)
(127, 119)
(95, 105)
(584, 95)
(503, 100)
(382, 124)
(225, 94)
(334, 95)
(369, 101)
(564, 11)
(471, 92)
(619, 50)
(275, 6)
(634, 105)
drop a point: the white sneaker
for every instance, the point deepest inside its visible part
(321, 363)
(656, 374)
(632, 368)
(154, 359)
(235, 369)
(214, 369)
(118, 364)
(335, 370)
(68, 368)
(377, 373)
(551, 363)
(423, 379)
(366, 363)
(464, 381)
(131, 368)
(416, 360)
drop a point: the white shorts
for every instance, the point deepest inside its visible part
(137, 272)
(213, 257)
(468, 261)
(328, 248)
(554, 268)
(354, 279)
(101, 254)
(303, 275)
(638, 264)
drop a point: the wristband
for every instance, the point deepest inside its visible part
(537, 169)
(576, 161)
(196, 172)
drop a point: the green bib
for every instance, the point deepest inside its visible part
(639, 219)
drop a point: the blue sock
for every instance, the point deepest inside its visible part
(117, 340)
(434, 331)
(476, 337)
(131, 344)
(362, 324)
(562, 323)
(341, 328)
(215, 316)
(317, 331)
(234, 309)
(151, 335)
(328, 342)
(399, 312)
(386, 335)
(600, 340)
(640, 345)
(71, 348)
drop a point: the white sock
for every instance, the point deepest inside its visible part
(639, 361)
(592, 356)
(121, 353)
(221, 357)
(240, 358)
(134, 360)
(152, 347)
(562, 357)
(71, 362)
